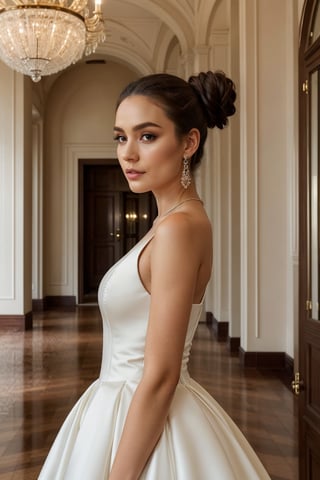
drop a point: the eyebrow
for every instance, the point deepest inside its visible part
(140, 126)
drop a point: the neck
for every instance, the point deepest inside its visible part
(177, 205)
(169, 199)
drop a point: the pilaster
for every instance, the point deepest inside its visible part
(265, 190)
(15, 199)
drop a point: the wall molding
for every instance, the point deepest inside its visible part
(38, 304)
(54, 301)
(233, 344)
(16, 322)
(74, 153)
(209, 318)
(288, 373)
(289, 365)
(263, 360)
(220, 329)
(249, 168)
(279, 361)
(60, 301)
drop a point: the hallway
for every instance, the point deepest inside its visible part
(44, 371)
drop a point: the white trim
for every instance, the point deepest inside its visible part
(256, 171)
(73, 153)
(249, 157)
(216, 153)
(292, 227)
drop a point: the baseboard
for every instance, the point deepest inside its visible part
(59, 301)
(209, 318)
(288, 373)
(289, 365)
(38, 304)
(263, 360)
(54, 301)
(233, 344)
(280, 361)
(220, 329)
(16, 322)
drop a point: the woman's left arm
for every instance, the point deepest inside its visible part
(174, 270)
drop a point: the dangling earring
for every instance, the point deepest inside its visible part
(185, 177)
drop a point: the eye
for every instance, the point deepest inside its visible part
(119, 138)
(148, 137)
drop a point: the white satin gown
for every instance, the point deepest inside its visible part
(199, 441)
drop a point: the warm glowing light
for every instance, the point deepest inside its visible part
(41, 37)
(132, 216)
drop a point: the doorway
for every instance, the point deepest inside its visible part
(112, 220)
(307, 382)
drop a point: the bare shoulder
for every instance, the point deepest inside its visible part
(185, 229)
(175, 225)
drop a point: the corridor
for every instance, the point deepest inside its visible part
(44, 371)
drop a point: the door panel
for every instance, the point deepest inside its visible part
(111, 221)
(102, 246)
(314, 196)
(309, 324)
(309, 342)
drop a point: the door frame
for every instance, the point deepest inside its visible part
(309, 61)
(146, 202)
(82, 163)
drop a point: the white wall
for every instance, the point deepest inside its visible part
(15, 193)
(268, 92)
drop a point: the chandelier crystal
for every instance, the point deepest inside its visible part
(42, 37)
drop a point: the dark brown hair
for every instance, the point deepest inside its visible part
(205, 101)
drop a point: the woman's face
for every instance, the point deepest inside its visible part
(149, 152)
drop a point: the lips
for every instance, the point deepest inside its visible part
(133, 174)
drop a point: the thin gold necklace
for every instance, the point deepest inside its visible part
(178, 205)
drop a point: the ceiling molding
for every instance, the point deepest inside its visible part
(177, 18)
(204, 20)
(128, 57)
(165, 38)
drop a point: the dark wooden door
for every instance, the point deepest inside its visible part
(112, 220)
(307, 384)
(102, 239)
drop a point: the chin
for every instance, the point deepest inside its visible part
(138, 188)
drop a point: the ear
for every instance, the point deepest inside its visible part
(192, 141)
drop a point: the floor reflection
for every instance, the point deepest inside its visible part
(44, 371)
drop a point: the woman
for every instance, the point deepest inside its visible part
(145, 418)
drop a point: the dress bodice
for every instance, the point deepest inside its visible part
(199, 440)
(124, 305)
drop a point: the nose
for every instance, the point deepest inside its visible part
(129, 152)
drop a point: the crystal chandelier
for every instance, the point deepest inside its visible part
(41, 37)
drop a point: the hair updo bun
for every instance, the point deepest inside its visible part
(206, 100)
(216, 93)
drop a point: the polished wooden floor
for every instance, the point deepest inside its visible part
(44, 371)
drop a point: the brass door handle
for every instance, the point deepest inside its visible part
(297, 384)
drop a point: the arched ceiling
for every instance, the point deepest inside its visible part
(141, 33)
(144, 18)
(137, 30)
